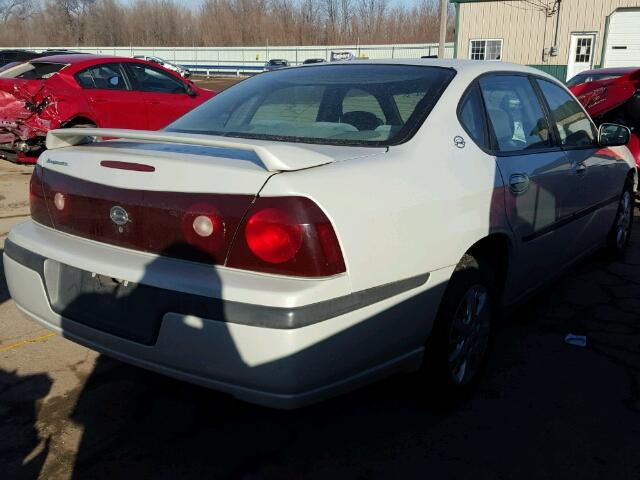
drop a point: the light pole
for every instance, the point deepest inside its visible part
(443, 28)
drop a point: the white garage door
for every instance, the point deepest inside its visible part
(623, 42)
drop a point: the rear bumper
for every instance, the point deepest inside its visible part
(283, 365)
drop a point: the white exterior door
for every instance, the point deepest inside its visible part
(623, 39)
(581, 53)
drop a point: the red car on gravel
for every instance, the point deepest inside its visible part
(87, 90)
(612, 95)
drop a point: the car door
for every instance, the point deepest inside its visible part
(113, 103)
(165, 95)
(535, 172)
(599, 172)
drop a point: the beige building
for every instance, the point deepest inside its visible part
(562, 37)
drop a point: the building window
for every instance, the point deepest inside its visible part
(485, 49)
(583, 49)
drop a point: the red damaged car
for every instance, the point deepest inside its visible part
(87, 90)
(612, 95)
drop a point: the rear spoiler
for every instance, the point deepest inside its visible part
(274, 156)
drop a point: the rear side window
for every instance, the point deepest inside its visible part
(472, 116)
(107, 76)
(515, 113)
(33, 70)
(574, 127)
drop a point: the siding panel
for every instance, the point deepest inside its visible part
(522, 27)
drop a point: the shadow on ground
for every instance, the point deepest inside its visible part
(545, 409)
(21, 449)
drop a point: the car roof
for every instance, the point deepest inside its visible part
(611, 71)
(85, 59)
(467, 67)
(16, 50)
(73, 58)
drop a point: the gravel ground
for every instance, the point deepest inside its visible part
(217, 84)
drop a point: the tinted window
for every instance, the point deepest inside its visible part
(8, 66)
(33, 70)
(517, 118)
(472, 116)
(149, 79)
(293, 104)
(407, 103)
(107, 76)
(334, 104)
(574, 127)
(362, 110)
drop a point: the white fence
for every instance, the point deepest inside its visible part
(252, 59)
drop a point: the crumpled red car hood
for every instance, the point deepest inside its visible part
(15, 95)
(28, 107)
(600, 97)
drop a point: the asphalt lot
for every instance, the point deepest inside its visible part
(216, 83)
(545, 409)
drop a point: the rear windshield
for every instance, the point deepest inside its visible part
(9, 66)
(33, 70)
(591, 77)
(331, 104)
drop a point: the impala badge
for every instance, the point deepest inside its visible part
(119, 216)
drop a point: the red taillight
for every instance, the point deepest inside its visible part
(37, 201)
(283, 235)
(288, 236)
(273, 236)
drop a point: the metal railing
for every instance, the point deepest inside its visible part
(238, 60)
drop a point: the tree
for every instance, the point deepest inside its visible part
(20, 9)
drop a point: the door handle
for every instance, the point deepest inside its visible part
(98, 99)
(518, 183)
(580, 168)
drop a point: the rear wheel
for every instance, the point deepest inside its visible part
(620, 233)
(457, 348)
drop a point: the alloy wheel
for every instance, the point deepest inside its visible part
(469, 335)
(623, 222)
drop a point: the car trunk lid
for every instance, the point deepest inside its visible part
(175, 199)
(271, 156)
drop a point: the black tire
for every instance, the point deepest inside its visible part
(450, 334)
(620, 233)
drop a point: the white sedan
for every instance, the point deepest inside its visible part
(313, 229)
(182, 71)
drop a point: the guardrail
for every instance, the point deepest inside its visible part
(238, 60)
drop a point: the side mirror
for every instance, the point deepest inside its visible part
(189, 89)
(613, 135)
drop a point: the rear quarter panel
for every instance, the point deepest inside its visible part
(414, 209)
